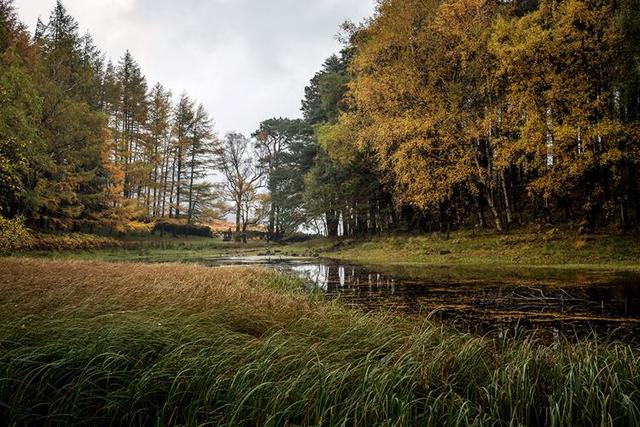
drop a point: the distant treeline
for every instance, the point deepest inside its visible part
(486, 113)
(84, 141)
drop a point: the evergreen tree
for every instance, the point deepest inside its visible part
(69, 185)
(131, 133)
(285, 149)
(200, 154)
(81, 140)
(21, 149)
(183, 127)
(160, 149)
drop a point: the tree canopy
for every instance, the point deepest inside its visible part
(444, 111)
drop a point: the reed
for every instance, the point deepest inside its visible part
(109, 343)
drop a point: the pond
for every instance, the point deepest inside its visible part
(553, 301)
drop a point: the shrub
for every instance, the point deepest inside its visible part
(72, 241)
(182, 229)
(14, 235)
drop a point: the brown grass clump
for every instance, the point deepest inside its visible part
(28, 241)
(580, 244)
(54, 289)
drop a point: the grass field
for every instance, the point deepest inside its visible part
(550, 248)
(110, 343)
(556, 248)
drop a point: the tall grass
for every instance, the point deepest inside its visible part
(102, 343)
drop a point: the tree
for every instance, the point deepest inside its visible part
(82, 143)
(285, 149)
(131, 135)
(571, 64)
(344, 180)
(70, 185)
(241, 173)
(323, 195)
(183, 126)
(159, 149)
(20, 107)
(204, 146)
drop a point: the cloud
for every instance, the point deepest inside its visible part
(245, 60)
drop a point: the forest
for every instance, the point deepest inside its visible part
(479, 113)
(86, 142)
(435, 115)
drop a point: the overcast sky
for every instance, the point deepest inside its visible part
(245, 60)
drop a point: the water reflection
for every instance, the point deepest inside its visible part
(611, 304)
(572, 302)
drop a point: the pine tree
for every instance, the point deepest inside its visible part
(159, 142)
(70, 187)
(133, 116)
(183, 126)
(21, 149)
(200, 155)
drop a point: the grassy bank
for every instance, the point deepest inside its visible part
(543, 248)
(558, 248)
(100, 343)
(155, 249)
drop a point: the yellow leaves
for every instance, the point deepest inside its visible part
(451, 93)
(462, 27)
(14, 234)
(418, 75)
(429, 167)
(338, 141)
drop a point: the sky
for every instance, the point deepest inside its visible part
(245, 60)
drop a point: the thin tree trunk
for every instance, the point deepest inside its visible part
(178, 180)
(165, 178)
(505, 193)
(190, 213)
(171, 191)
(494, 210)
(480, 212)
(238, 215)
(488, 196)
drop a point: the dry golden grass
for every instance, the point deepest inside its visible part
(61, 242)
(56, 288)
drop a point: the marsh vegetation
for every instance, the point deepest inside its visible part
(99, 343)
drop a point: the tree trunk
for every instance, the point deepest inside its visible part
(171, 190)
(238, 216)
(482, 222)
(178, 181)
(190, 212)
(494, 210)
(332, 223)
(272, 211)
(505, 193)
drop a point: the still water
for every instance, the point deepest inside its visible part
(552, 300)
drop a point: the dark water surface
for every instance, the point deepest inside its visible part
(571, 302)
